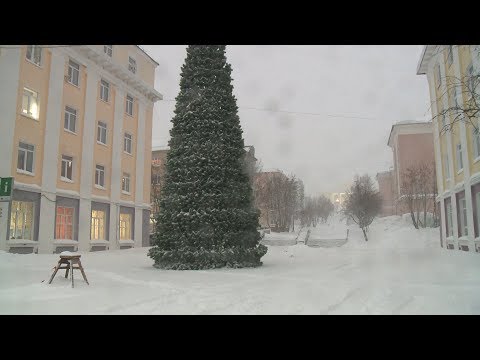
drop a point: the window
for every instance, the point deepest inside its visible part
(127, 143)
(156, 179)
(100, 175)
(447, 167)
(67, 168)
(21, 220)
(64, 223)
(97, 229)
(477, 198)
(108, 49)
(444, 123)
(34, 54)
(471, 79)
(125, 227)
(455, 97)
(129, 105)
(132, 64)
(104, 90)
(448, 205)
(439, 76)
(30, 103)
(463, 230)
(102, 133)
(459, 157)
(25, 157)
(476, 142)
(450, 55)
(126, 183)
(73, 72)
(70, 119)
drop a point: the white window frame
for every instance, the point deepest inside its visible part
(132, 64)
(32, 99)
(471, 78)
(70, 116)
(450, 55)
(73, 68)
(476, 143)
(439, 76)
(462, 201)
(17, 211)
(104, 90)
(127, 140)
(459, 158)
(108, 50)
(102, 130)
(26, 152)
(449, 219)
(456, 95)
(447, 168)
(477, 197)
(99, 174)
(125, 227)
(64, 168)
(36, 53)
(126, 183)
(129, 105)
(97, 225)
(64, 221)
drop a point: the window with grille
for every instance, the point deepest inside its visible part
(64, 223)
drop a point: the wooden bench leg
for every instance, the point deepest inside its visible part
(66, 271)
(83, 272)
(71, 267)
(54, 273)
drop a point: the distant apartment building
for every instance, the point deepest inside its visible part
(159, 159)
(457, 152)
(263, 195)
(412, 146)
(387, 192)
(75, 134)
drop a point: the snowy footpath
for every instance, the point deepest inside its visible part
(331, 234)
(399, 271)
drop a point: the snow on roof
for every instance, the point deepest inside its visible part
(162, 147)
(426, 122)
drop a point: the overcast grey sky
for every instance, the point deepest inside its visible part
(370, 87)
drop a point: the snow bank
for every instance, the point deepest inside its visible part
(394, 232)
(280, 239)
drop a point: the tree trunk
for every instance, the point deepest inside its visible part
(365, 234)
(425, 211)
(413, 219)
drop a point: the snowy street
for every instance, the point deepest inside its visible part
(399, 271)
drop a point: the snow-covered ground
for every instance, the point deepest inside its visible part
(284, 238)
(399, 271)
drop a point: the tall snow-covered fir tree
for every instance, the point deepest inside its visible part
(207, 217)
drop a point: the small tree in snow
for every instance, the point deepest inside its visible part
(362, 203)
(419, 191)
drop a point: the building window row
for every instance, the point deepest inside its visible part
(26, 157)
(22, 220)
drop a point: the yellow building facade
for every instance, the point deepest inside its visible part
(75, 134)
(457, 151)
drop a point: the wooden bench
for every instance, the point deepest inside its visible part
(68, 261)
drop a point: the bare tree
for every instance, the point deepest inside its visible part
(418, 192)
(276, 194)
(362, 203)
(466, 87)
(325, 208)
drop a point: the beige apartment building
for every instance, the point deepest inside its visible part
(457, 152)
(75, 134)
